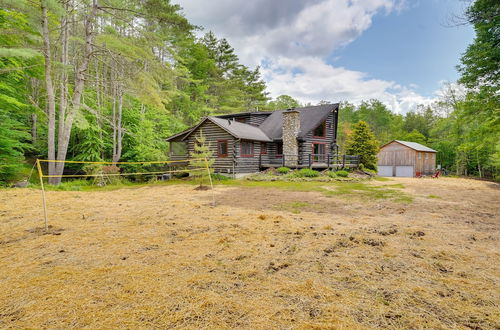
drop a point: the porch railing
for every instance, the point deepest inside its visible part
(312, 160)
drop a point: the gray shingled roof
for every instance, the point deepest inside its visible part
(236, 129)
(416, 146)
(310, 118)
(241, 130)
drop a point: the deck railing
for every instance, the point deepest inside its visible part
(311, 160)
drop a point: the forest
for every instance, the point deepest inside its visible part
(111, 79)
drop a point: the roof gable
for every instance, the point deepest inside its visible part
(236, 129)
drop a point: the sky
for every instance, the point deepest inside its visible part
(398, 51)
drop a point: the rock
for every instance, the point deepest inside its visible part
(21, 184)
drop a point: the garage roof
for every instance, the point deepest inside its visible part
(414, 145)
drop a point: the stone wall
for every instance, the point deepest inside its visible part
(291, 129)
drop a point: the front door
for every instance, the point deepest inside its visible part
(319, 152)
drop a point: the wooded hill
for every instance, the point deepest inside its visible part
(111, 79)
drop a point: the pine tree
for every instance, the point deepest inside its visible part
(200, 157)
(362, 142)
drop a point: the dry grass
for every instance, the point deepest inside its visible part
(161, 256)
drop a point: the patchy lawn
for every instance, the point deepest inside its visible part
(400, 253)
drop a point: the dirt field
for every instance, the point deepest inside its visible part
(162, 257)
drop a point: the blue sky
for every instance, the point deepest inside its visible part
(418, 46)
(398, 51)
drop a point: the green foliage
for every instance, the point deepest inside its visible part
(331, 174)
(481, 61)
(283, 102)
(11, 147)
(219, 177)
(342, 174)
(307, 173)
(362, 142)
(283, 170)
(415, 136)
(14, 107)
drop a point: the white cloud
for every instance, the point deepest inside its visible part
(310, 79)
(291, 40)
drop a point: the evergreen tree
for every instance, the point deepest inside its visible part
(362, 142)
(201, 157)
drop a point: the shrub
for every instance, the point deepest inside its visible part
(342, 174)
(332, 174)
(283, 170)
(219, 177)
(308, 173)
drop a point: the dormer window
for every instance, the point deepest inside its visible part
(320, 131)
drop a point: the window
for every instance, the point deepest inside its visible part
(419, 155)
(246, 149)
(319, 151)
(178, 148)
(279, 150)
(263, 148)
(222, 148)
(320, 131)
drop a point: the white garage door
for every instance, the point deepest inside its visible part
(385, 170)
(406, 171)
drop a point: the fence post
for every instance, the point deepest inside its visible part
(40, 175)
(310, 160)
(328, 161)
(343, 161)
(260, 161)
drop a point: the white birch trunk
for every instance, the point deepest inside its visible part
(51, 102)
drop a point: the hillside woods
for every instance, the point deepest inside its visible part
(111, 79)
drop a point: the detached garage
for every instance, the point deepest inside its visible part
(406, 159)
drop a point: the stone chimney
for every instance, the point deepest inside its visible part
(291, 129)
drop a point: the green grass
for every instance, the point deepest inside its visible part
(349, 189)
(295, 207)
(433, 196)
(381, 178)
(370, 191)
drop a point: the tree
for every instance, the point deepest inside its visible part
(18, 64)
(481, 61)
(362, 142)
(283, 102)
(201, 158)
(415, 136)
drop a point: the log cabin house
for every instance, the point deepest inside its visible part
(248, 142)
(406, 159)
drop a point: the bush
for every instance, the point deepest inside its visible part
(219, 177)
(283, 170)
(332, 174)
(342, 174)
(308, 173)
